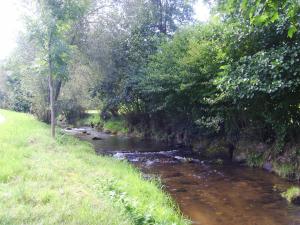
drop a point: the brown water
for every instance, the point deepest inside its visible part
(207, 194)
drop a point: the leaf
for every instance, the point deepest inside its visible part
(275, 17)
(261, 19)
(244, 5)
(292, 31)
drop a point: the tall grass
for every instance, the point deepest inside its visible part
(46, 181)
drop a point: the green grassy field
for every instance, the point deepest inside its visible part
(46, 181)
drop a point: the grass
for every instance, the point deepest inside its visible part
(255, 159)
(116, 126)
(285, 170)
(46, 181)
(291, 194)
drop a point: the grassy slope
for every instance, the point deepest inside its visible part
(43, 181)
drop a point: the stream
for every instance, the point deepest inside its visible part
(207, 194)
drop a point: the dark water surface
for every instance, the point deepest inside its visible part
(207, 194)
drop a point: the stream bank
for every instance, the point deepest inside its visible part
(249, 148)
(207, 193)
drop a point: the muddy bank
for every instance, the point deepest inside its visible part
(207, 193)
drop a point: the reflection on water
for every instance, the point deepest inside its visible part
(112, 143)
(207, 194)
(227, 195)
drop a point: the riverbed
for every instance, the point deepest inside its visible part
(206, 193)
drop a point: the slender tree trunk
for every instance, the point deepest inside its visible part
(161, 16)
(51, 88)
(52, 105)
(57, 86)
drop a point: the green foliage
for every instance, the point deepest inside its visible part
(286, 170)
(291, 193)
(46, 48)
(249, 78)
(62, 181)
(255, 159)
(116, 126)
(51, 30)
(92, 118)
(134, 60)
(271, 77)
(128, 46)
(216, 78)
(264, 12)
(12, 93)
(179, 78)
(70, 109)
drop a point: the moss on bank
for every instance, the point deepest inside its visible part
(46, 181)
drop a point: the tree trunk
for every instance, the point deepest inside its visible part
(52, 106)
(51, 87)
(57, 86)
(161, 17)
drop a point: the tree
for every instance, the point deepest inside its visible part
(168, 14)
(121, 43)
(264, 12)
(51, 29)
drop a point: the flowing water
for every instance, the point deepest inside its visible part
(206, 193)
